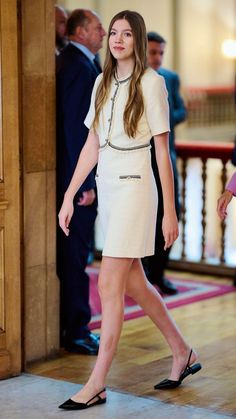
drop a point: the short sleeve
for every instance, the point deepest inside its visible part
(91, 113)
(156, 101)
(232, 184)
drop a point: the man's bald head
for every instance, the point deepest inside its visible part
(84, 27)
(79, 17)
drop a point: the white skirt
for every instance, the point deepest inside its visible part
(127, 202)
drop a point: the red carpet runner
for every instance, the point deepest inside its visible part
(189, 292)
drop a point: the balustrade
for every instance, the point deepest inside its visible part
(188, 150)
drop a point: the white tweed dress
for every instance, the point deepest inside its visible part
(127, 193)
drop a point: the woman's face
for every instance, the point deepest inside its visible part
(121, 41)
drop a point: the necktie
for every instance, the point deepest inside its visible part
(97, 65)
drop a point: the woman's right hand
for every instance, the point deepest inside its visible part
(65, 215)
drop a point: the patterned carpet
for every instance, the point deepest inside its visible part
(189, 291)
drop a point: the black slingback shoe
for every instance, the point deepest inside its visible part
(169, 384)
(72, 405)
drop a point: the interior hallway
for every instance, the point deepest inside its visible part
(29, 297)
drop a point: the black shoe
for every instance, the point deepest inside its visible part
(169, 384)
(71, 405)
(166, 286)
(86, 346)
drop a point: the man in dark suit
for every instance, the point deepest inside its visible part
(60, 26)
(76, 74)
(155, 265)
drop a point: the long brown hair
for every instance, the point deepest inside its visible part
(135, 104)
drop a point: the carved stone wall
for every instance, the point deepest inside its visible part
(41, 302)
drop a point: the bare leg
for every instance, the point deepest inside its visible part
(112, 283)
(148, 298)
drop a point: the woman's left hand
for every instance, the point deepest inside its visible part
(170, 229)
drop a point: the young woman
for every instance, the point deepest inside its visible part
(128, 107)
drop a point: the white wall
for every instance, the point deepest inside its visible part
(203, 25)
(76, 4)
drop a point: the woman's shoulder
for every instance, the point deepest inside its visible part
(99, 78)
(151, 78)
(97, 82)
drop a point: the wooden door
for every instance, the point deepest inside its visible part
(10, 273)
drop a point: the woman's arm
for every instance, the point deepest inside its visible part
(170, 222)
(87, 161)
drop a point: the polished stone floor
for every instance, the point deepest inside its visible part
(33, 397)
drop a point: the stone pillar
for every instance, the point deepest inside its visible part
(41, 287)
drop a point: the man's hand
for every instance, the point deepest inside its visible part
(87, 198)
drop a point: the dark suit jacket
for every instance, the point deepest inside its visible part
(75, 77)
(177, 114)
(176, 104)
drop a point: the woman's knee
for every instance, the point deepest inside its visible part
(112, 278)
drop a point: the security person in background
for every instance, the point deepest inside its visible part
(76, 74)
(155, 265)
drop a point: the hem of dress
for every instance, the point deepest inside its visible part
(127, 256)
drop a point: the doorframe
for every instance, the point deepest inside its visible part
(10, 195)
